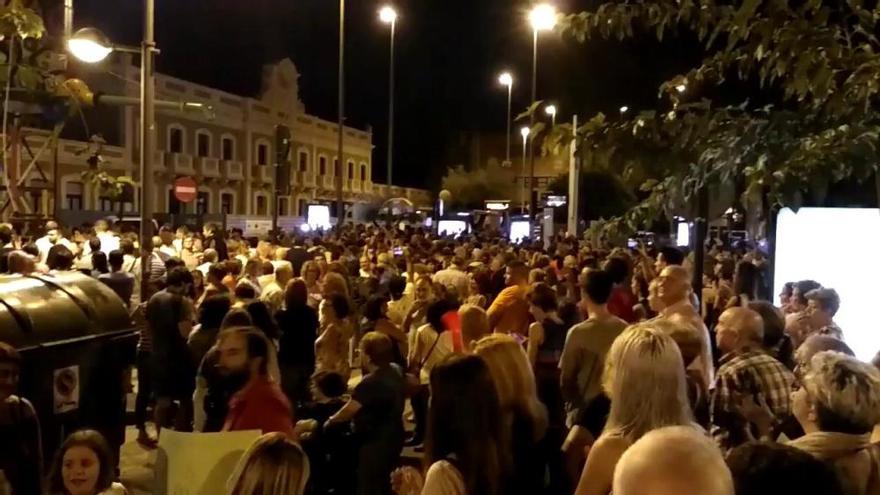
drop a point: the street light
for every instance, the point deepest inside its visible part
(524, 132)
(624, 109)
(506, 79)
(551, 111)
(91, 46)
(388, 15)
(542, 17)
(681, 88)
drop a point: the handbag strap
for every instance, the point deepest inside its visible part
(428, 355)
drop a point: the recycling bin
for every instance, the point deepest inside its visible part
(77, 342)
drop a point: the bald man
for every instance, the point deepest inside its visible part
(745, 370)
(674, 460)
(674, 291)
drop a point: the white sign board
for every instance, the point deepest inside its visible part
(65, 389)
(830, 246)
(257, 228)
(199, 463)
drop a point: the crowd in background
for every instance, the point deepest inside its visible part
(505, 368)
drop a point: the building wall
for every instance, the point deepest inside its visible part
(249, 123)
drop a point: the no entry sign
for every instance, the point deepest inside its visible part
(185, 189)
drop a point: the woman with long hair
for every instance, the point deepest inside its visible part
(311, 275)
(644, 378)
(331, 347)
(84, 466)
(464, 447)
(745, 285)
(298, 323)
(272, 465)
(523, 415)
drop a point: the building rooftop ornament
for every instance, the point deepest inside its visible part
(281, 87)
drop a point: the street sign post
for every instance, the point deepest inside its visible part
(185, 189)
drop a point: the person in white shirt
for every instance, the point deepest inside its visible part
(109, 239)
(53, 236)
(454, 277)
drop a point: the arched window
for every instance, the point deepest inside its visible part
(203, 143)
(303, 161)
(176, 139)
(363, 172)
(227, 148)
(322, 165)
(350, 170)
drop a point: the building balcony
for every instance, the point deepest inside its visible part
(303, 180)
(179, 164)
(328, 182)
(349, 185)
(367, 187)
(233, 170)
(209, 167)
(267, 173)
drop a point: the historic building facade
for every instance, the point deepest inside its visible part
(229, 152)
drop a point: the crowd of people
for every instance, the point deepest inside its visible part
(505, 368)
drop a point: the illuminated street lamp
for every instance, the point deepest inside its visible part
(551, 111)
(624, 109)
(542, 17)
(506, 79)
(91, 46)
(388, 15)
(681, 88)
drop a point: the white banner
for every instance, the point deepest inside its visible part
(199, 463)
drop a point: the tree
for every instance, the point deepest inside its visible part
(817, 67)
(602, 195)
(471, 188)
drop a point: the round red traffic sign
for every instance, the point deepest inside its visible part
(185, 189)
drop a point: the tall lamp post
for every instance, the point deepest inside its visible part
(506, 79)
(524, 132)
(542, 18)
(90, 46)
(338, 168)
(389, 16)
(551, 111)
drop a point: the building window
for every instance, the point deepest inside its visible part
(228, 148)
(227, 203)
(351, 170)
(262, 154)
(203, 202)
(336, 170)
(302, 207)
(203, 144)
(303, 161)
(363, 172)
(175, 140)
(283, 206)
(105, 204)
(73, 197)
(175, 207)
(261, 205)
(322, 165)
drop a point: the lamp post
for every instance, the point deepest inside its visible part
(389, 16)
(551, 111)
(89, 45)
(340, 205)
(506, 79)
(524, 132)
(542, 18)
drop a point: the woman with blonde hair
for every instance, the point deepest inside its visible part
(523, 414)
(645, 379)
(474, 325)
(272, 465)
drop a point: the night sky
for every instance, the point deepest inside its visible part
(449, 53)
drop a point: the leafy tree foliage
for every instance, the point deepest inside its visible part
(817, 63)
(471, 187)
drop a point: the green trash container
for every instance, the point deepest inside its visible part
(77, 342)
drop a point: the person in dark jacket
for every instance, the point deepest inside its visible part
(298, 324)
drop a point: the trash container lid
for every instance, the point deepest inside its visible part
(50, 309)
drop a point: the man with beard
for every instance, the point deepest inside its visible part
(246, 356)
